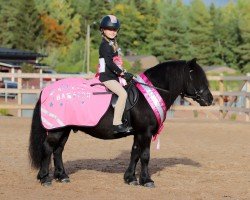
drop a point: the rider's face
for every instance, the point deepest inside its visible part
(110, 33)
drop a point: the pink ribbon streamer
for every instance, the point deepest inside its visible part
(155, 101)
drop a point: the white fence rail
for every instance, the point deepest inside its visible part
(219, 106)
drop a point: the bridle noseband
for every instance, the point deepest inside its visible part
(198, 94)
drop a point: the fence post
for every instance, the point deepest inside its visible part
(13, 72)
(40, 79)
(19, 94)
(248, 98)
(221, 100)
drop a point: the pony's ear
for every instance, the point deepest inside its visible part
(192, 62)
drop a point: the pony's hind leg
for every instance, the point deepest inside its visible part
(43, 174)
(129, 176)
(59, 173)
(51, 142)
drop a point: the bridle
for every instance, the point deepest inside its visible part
(198, 94)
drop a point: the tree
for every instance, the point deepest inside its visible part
(149, 19)
(81, 8)
(218, 36)
(67, 58)
(60, 14)
(170, 40)
(54, 34)
(243, 49)
(200, 29)
(21, 25)
(129, 37)
(230, 35)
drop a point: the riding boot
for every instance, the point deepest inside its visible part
(130, 128)
(121, 128)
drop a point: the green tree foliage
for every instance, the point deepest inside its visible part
(97, 9)
(218, 27)
(62, 15)
(148, 23)
(67, 58)
(200, 32)
(28, 68)
(20, 25)
(130, 18)
(170, 40)
(81, 8)
(136, 67)
(243, 49)
(168, 29)
(230, 34)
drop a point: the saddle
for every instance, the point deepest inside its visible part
(131, 90)
(132, 99)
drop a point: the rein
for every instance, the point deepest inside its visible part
(157, 88)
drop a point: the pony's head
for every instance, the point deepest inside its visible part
(196, 84)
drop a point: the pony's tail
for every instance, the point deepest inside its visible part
(37, 137)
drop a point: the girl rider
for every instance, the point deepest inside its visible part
(110, 69)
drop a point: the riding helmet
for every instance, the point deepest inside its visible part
(110, 22)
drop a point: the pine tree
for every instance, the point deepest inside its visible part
(218, 27)
(128, 36)
(230, 35)
(31, 25)
(9, 24)
(148, 20)
(200, 29)
(21, 25)
(243, 49)
(81, 8)
(170, 40)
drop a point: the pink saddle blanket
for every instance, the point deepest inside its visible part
(72, 101)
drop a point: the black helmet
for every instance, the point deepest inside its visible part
(110, 22)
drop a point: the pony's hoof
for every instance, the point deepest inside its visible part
(134, 183)
(65, 180)
(149, 185)
(47, 184)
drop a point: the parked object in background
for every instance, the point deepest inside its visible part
(48, 71)
(8, 84)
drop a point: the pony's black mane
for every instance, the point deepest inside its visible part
(171, 72)
(176, 73)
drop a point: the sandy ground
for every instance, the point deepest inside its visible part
(198, 159)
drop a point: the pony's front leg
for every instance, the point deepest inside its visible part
(145, 179)
(59, 173)
(129, 176)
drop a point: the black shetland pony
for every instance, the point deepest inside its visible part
(173, 77)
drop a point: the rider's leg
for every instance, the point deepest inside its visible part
(117, 88)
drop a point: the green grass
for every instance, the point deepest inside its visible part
(4, 112)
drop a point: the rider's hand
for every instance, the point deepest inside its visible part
(128, 76)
